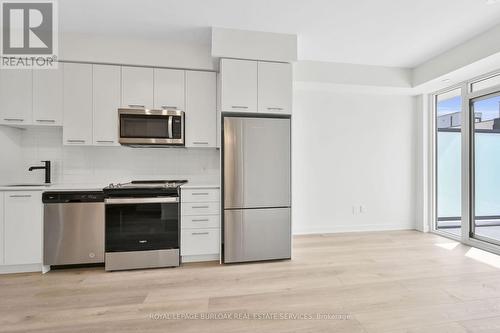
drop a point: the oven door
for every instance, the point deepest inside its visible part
(151, 127)
(141, 224)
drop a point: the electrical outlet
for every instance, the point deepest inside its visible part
(362, 209)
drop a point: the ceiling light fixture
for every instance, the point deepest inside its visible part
(445, 80)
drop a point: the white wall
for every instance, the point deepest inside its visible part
(350, 74)
(424, 186)
(103, 165)
(352, 149)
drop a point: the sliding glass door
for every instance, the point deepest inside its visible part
(466, 167)
(485, 167)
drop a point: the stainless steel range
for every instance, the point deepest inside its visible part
(142, 224)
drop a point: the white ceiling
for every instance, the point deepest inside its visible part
(402, 33)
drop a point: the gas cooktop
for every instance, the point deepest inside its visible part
(144, 187)
(144, 184)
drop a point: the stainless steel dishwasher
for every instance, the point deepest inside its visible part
(73, 228)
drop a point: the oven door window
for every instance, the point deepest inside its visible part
(144, 126)
(142, 227)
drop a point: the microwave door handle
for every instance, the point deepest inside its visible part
(170, 127)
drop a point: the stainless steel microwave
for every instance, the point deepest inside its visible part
(143, 127)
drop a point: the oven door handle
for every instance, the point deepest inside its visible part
(127, 201)
(170, 132)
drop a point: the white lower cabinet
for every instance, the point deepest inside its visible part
(200, 195)
(200, 221)
(200, 224)
(200, 241)
(200, 208)
(22, 236)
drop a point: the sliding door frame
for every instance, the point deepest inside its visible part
(434, 157)
(482, 95)
(467, 163)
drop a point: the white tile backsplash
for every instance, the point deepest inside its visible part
(10, 139)
(89, 164)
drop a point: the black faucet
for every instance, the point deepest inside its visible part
(46, 167)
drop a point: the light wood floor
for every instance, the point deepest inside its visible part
(402, 281)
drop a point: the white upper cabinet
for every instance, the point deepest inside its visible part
(137, 87)
(23, 227)
(48, 96)
(238, 85)
(201, 109)
(275, 87)
(16, 93)
(106, 99)
(77, 124)
(169, 88)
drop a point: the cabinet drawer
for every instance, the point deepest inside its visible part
(200, 195)
(200, 221)
(200, 241)
(200, 208)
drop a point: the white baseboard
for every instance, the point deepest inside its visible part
(206, 257)
(353, 228)
(9, 269)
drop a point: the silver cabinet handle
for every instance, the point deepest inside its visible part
(124, 201)
(168, 107)
(137, 106)
(199, 193)
(75, 141)
(104, 141)
(239, 107)
(200, 143)
(277, 109)
(199, 233)
(196, 207)
(200, 220)
(13, 119)
(20, 196)
(46, 120)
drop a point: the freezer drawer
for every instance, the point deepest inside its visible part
(257, 234)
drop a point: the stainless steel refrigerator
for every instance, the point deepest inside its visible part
(256, 187)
